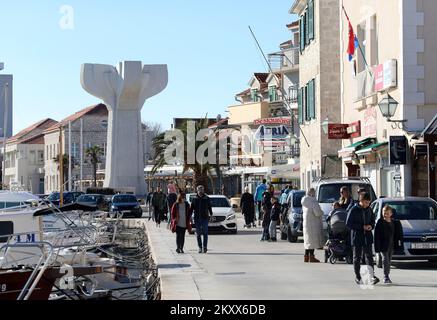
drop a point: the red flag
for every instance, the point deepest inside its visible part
(351, 47)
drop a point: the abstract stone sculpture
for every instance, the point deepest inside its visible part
(124, 91)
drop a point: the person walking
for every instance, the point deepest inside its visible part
(361, 222)
(202, 211)
(345, 198)
(388, 237)
(258, 197)
(159, 203)
(149, 205)
(274, 218)
(247, 206)
(312, 226)
(267, 208)
(180, 220)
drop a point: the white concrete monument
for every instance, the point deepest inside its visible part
(124, 90)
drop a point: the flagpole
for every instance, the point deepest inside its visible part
(359, 46)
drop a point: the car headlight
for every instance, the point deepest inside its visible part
(231, 217)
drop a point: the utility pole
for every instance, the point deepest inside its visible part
(61, 169)
(81, 154)
(69, 157)
(5, 130)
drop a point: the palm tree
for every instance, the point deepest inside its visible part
(94, 153)
(201, 172)
(65, 165)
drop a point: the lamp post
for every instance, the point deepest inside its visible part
(388, 106)
(325, 125)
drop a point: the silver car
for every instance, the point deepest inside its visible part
(418, 217)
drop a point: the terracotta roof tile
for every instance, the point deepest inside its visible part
(30, 132)
(76, 116)
(293, 24)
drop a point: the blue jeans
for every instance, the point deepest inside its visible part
(202, 229)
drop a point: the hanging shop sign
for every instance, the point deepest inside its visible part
(385, 75)
(272, 132)
(338, 131)
(344, 131)
(398, 150)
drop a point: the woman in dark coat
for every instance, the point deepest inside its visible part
(247, 206)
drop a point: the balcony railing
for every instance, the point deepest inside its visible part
(284, 60)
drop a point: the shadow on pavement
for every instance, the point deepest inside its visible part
(415, 265)
(173, 266)
(411, 285)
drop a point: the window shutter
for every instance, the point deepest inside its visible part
(307, 29)
(307, 111)
(311, 107)
(311, 19)
(300, 105)
(302, 34)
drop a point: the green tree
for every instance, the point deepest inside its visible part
(201, 172)
(94, 155)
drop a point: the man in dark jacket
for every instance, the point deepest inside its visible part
(202, 211)
(361, 222)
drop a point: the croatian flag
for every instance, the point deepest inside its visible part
(353, 42)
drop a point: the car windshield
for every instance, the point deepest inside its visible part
(413, 210)
(87, 199)
(124, 199)
(297, 199)
(220, 203)
(68, 197)
(54, 196)
(329, 193)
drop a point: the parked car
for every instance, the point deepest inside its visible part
(126, 204)
(328, 192)
(224, 218)
(291, 228)
(418, 216)
(97, 200)
(68, 197)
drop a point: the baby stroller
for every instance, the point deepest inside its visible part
(338, 246)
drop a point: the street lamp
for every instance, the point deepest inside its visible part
(388, 106)
(325, 125)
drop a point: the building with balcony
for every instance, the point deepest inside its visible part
(24, 163)
(391, 59)
(267, 117)
(319, 86)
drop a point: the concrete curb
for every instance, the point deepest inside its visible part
(174, 271)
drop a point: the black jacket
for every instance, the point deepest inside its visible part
(267, 201)
(247, 204)
(276, 211)
(356, 219)
(201, 207)
(382, 240)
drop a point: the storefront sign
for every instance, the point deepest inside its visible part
(338, 131)
(385, 75)
(273, 121)
(354, 130)
(369, 127)
(272, 133)
(398, 150)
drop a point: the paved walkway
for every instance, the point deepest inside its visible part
(241, 267)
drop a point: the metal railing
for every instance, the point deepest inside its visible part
(285, 59)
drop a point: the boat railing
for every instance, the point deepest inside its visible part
(39, 268)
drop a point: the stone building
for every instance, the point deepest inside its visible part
(319, 93)
(88, 128)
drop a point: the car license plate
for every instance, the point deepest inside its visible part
(432, 245)
(214, 224)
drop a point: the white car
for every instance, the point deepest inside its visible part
(224, 218)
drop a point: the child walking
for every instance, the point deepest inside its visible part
(388, 237)
(274, 218)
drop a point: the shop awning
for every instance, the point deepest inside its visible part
(347, 151)
(371, 148)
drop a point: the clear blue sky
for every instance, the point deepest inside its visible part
(206, 44)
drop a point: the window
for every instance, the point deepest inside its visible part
(273, 94)
(306, 26)
(32, 157)
(306, 102)
(40, 157)
(104, 124)
(89, 145)
(361, 58)
(75, 150)
(254, 95)
(374, 59)
(47, 153)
